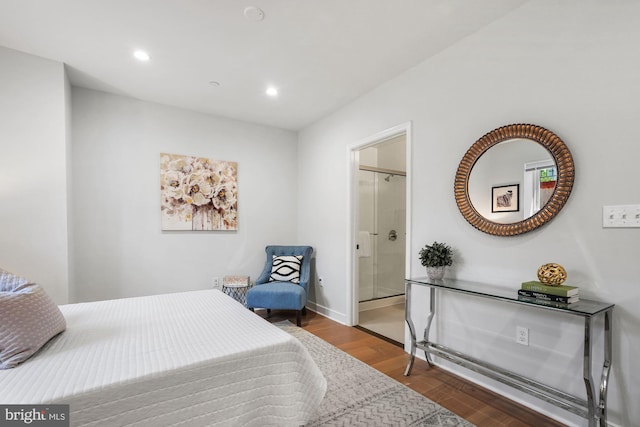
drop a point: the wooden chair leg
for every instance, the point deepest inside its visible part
(268, 311)
(298, 317)
(304, 310)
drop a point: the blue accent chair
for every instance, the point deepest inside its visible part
(282, 295)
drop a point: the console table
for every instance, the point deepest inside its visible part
(594, 408)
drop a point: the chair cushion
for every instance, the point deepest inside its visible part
(286, 268)
(28, 319)
(277, 295)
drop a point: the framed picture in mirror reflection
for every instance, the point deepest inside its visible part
(505, 198)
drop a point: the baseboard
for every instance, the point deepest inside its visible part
(327, 312)
(382, 337)
(379, 303)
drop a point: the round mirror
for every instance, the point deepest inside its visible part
(514, 179)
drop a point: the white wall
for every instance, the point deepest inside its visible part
(33, 170)
(119, 247)
(569, 66)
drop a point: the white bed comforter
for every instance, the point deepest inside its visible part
(194, 359)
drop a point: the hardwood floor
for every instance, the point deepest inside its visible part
(476, 404)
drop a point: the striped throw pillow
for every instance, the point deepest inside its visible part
(286, 268)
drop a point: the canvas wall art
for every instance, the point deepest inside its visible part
(198, 193)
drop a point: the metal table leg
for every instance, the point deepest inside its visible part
(597, 407)
(586, 372)
(412, 329)
(432, 311)
(606, 368)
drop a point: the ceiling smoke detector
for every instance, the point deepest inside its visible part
(253, 13)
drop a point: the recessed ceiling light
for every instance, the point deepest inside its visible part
(141, 55)
(272, 91)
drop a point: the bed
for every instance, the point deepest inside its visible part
(194, 358)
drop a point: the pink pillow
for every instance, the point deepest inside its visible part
(28, 319)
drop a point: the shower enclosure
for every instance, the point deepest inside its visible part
(382, 233)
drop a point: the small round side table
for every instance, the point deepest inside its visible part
(236, 287)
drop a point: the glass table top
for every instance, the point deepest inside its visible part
(582, 307)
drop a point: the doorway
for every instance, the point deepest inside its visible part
(380, 224)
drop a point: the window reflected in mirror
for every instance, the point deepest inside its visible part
(540, 180)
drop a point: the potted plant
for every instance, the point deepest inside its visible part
(436, 257)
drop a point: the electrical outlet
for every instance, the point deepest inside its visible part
(522, 335)
(216, 283)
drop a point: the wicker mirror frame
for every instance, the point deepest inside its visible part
(565, 167)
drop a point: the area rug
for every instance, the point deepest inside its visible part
(359, 395)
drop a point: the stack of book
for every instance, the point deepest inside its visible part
(542, 292)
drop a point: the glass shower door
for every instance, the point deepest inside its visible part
(382, 236)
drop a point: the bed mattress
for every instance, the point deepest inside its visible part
(194, 359)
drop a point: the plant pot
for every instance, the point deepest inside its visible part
(435, 273)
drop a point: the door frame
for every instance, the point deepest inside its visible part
(353, 210)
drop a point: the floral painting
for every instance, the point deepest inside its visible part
(198, 193)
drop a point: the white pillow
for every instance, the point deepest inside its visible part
(286, 268)
(28, 319)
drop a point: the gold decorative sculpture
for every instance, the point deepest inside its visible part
(552, 274)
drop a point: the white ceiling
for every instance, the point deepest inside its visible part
(320, 54)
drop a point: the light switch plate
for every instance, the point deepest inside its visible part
(621, 216)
